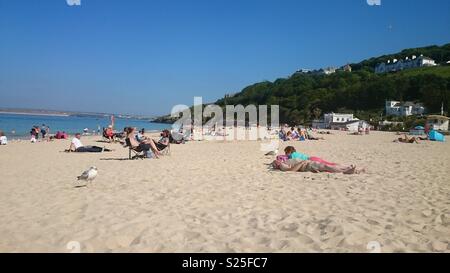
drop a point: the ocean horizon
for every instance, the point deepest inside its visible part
(18, 126)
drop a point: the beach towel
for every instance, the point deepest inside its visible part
(320, 160)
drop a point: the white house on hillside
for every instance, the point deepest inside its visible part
(327, 71)
(333, 118)
(406, 109)
(338, 118)
(398, 65)
(353, 125)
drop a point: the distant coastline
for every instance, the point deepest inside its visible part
(55, 113)
(34, 114)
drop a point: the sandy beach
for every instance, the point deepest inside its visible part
(221, 197)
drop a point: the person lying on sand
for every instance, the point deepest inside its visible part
(310, 136)
(294, 165)
(78, 147)
(405, 139)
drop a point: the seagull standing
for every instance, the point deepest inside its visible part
(88, 175)
(271, 148)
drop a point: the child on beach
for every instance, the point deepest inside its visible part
(291, 153)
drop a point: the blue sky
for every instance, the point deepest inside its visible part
(145, 56)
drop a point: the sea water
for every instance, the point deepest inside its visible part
(19, 126)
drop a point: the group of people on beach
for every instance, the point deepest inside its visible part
(111, 135)
(300, 134)
(130, 137)
(44, 131)
(141, 143)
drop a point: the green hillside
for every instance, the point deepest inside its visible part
(304, 97)
(442, 71)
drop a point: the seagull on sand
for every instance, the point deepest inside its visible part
(271, 148)
(88, 175)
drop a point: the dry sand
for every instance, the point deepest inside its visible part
(220, 197)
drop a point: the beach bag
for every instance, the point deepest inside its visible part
(149, 154)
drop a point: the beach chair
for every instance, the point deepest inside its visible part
(104, 136)
(132, 152)
(166, 151)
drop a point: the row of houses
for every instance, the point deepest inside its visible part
(325, 71)
(390, 66)
(407, 63)
(347, 122)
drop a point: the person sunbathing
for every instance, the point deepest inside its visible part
(164, 141)
(294, 165)
(291, 153)
(143, 144)
(294, 134)
(108, 133)
(405, 139)
(78, 147)
(310, 136)
(302, 135)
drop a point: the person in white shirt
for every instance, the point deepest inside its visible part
(76, 143)
(77, 146)
(3, 139)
